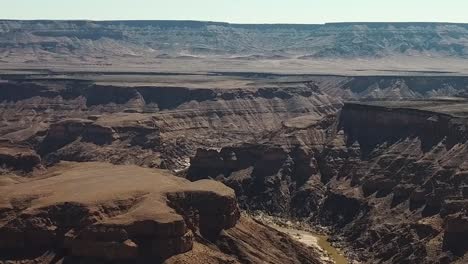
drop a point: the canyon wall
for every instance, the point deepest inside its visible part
(387, 178)
(92, 212)
(390, 181)
(149, 126)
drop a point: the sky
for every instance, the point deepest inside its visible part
(242, 11)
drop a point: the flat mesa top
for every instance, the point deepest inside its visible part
(457, 107)
(95, 184)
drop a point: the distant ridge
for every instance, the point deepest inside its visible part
(85, 40)
(175, 22)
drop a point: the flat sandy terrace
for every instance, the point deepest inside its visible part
(402, 65)
(93, 184)
(228, 73)
(457, 107)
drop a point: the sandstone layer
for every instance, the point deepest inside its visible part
(91, 212)
(109, 212)
(389, 178)
(151, 125)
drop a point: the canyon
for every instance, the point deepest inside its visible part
(124, 161)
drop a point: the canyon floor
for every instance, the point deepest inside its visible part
(131, 166)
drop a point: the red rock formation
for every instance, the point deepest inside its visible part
(18, 158)
(385, 179)
(98, 212)
(102, 211)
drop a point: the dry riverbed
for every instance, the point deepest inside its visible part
(305, 235)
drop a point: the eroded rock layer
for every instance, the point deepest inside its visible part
(390, 180)
(92, 212)
(387, 178)
(152, 126)
(109, 212)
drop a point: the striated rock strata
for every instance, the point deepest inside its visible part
(389, 180)
(151, 126)
(102, 211)
(92, 212)
(18, 158)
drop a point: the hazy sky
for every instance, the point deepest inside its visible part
(241, 11)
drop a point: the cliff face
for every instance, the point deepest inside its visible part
(80, 120)
(411, 163)
(390, 180)
(140, 223)
(363, 88)
(371, 126)
(149, 126)
(18, 158)
(98, 212)
(388, 177)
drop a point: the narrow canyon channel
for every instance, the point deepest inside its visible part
(311, 239)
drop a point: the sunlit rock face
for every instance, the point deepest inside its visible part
(377, 174)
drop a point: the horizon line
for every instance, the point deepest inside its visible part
(232, 23)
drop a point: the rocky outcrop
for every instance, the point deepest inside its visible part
(388, 174)
(79, 120)
(103, 213)
(389, 180)
(18, 158)
(407, 164)
(128, 137)
(370, 125)
(368, 88)
(113, 213)
(265, 238)
(153, 126)
(250, 242)
(265, 177)
(67, 131)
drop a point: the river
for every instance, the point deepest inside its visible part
(315, 240)
(330, 254)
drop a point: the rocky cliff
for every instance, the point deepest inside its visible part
(90, 112)
(383, 173)
(390, 180)
(360, 88)
(162, 126)
(98, 212)
(146, 125)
